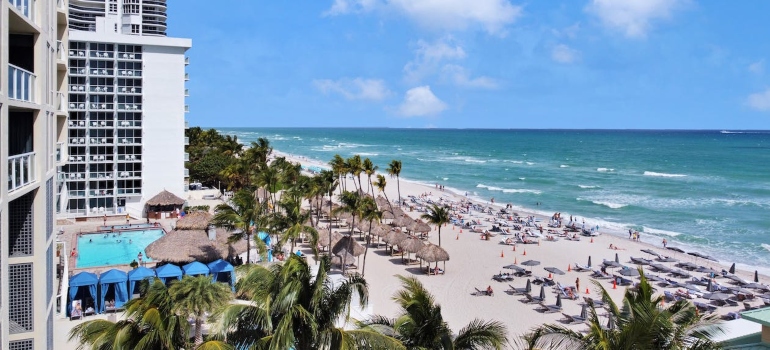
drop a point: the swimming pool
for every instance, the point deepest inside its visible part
(104, 249)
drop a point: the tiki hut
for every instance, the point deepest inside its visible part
(323, 237)
(394, 237)
(348, 244)
(433, 253)
(410, 245)
(339, 259)
(382, 202)
(402, 221)
(164, 205)
(197, 220)
(184, 246)
(418, 226)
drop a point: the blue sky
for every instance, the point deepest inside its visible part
(617, 64)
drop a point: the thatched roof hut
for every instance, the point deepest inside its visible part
(181, 246)
(402, 221)
(411, 245)
(433, 253)
(197, 220)
(381, 202)
(394, 237)
(323, 237)
(419, 227)
(348, 244)
(165, 198)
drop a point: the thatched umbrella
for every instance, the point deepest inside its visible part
(323, 237)
(419, 227)
(348, 244)
(394, 237)
(347, 258)
(433, 253)
(182, 246)
(410, 245)
(402, 221)
(164, 201)
(197, 220)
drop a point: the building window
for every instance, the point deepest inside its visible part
(25, 344)
(49, 273)
(20, 225)
(134, 29)
(49, 208)
(20, 308)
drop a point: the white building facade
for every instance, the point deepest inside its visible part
(126, 107)
(33, 71)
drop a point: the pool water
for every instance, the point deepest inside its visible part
(104, 249)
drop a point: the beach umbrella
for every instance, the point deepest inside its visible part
(542, 292)
(184, 246)
(347, 258)
(736, 279)
(558, 300)
(660, 267)
(629, 272)
(710, 286)
(609, 263)
(514, 267)
(394, 237)
(528, 287)
(732, 268)
(417, 226)
(651, 252)
(323, 237)
(718, 296)
(654, 278)
(667, 259)
(756, 276)
(348, 244)
(617, 260)
(675, 249)
(434, 253)
(402, 221)
(410, 245)
(584, 311)
(707, 270)
(531, 263)
(554, 270)
(688, 265)
(589, 261)
(756, 286)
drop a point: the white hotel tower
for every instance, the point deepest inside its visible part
(33, 71)
(126, 86)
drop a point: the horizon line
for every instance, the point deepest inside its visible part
(494, 129)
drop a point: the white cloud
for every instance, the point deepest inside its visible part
(569, 32)
(564, 54)
(492, 15)
(760, 101)
(757, 67)
(428, 56)
(633, 17)
(355, 89)
(460, 77)
(419, 102)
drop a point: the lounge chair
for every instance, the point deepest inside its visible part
(640, 261)
(529, 299)
(507, 241)
(565, 292)
(598, 274)
(503, 277)
(623, 281)
(571, 320)
(748, 307)
(704, 307)
(549, 309)
(581, 268)
(480, 292)
(515, 291)
(594, 302)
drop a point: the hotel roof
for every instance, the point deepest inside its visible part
(761, 316)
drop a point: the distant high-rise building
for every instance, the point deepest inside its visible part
(33, 114)
(126, 84)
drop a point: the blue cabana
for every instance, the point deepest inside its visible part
(168, 271)
(87, 282)
(222, 271)
(137, 275)
(264, 237)
(195, 268)
(117, 280)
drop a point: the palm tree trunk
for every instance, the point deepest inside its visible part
(439, 235)
(330, 227)
(398, 185)
(198, 331)
(248, 247)
(368, 241)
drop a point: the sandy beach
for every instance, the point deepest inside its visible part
(474, 261)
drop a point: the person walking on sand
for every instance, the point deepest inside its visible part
(577, 284)
(665, 242)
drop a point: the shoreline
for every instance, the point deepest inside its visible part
(617, 232)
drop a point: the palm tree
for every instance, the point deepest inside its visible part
(641, 323)
(245, 216)
(350, 203)
(329, 183)
(268, 177)
(291, 221)
(420, 325)
(355, 167)
(369, 212)
(369, 168)
(437, 215)
(290, 307)
(394, 169)
(149, 324)
(340, 169)
(380, 184)
(196, 296)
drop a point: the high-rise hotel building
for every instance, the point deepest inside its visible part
(33, 115)
(126, 104)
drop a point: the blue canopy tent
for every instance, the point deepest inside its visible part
(264, 237)
(117, 280)
(137, 275)
(84, 281)
(167, 272)
(195, 268)
(222, 271)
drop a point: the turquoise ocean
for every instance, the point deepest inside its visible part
(707, 191)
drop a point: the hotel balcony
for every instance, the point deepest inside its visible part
(60, 148)
(129, 106)
(187, 77)
(61, 102)
(61, 56)
(187, 61)
(187, 173)
(186, 109)
(129, 73)
(186, 92)
(25, 7)
(21, 170)
(21, 84)
(186, 124)
(101, 106)
(186, 157)
(130, 89)
(186, 141)
(129, 157)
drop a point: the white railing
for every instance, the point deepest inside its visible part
(60, 51)
(26, 7)
(186, 92)
(186, 61)
(62, 102)
(186, 124)
(186, 141)
(187, 173)
(186, 157)
(21, 84)
(186, 76)
(186, 109)
(21, 170)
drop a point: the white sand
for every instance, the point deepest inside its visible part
(474, 262)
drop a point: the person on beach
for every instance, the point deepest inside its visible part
(630, 233)
(664, 242)
(490, 292)
(577, 284)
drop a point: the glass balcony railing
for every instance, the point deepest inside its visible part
(186, 109)
(186, 61)
(61, 101)
(21, 170)
(186, 92)
(187, 173)
(186, 141)
(186, 76)
(129, 106)
(60, 51)
(59, 150)
(21, 84)
(186, 124)
(26, 7)
(125, 174)
(186, 157)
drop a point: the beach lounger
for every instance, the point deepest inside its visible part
(515, 291)
(680, 274)
(670, 296)
(581, 268)
(565, 291)
(598, 274)
(529, 299)
(572, 320)
(503, 277)
(660, 268)
(640, 261)
(731, 316)
(704, 307)
(623, 281)
(507, 241)
(549, 309)
(480, 292)
(595, 302)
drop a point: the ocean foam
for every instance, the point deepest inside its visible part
(610, 204)
(364, 154)
(604, 170)
(522, 178)
(530, 163)
(587, 186)
(509, 190)
(660, 232)
(445, 178)
(652, 173)
(766, 246)
(563, 166)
